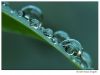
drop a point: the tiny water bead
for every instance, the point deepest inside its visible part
(12, 11)
(54, 40)
(72, 47)
(35, 23)
(41, 29)
(30, 12)
(48, 32)
(20, 13)
(61, 36)
(5, 3)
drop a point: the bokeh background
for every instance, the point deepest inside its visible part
(78, 19)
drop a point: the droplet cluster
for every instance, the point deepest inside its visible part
(72, 47)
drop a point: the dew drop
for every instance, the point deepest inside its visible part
(12, 11)
(31, 12)
(20, 13)
(5, 3)
(41, 29)
(35, 23)
(61, 36)
(54, 40)
(72, 47)
(48, 32)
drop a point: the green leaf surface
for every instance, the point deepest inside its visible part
(11, 22)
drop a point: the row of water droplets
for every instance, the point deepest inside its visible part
(72, 47)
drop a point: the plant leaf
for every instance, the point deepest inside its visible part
(20, 26)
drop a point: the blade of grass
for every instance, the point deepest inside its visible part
(12, 23)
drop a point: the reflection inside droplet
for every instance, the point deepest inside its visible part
(72, 47)
(31, 12)
(48, 32)
(35, 23)
(54, 40)
(20, 13)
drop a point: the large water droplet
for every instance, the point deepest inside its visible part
(61, 36)
(35, 23)
(48, 32)
(31, 12)
(72, 47)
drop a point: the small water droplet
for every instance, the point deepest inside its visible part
(5, 3)
(72, 47)
(20, 13)
(35, 23)
(41, 29)
(12, 12)
(61, 36)
(54, 40)
(48, 32)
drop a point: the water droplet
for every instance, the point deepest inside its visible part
(41, 29)
(5, 3)
(86, 59)
(31, 12)
(35, 23)
(12, 12)
(48, 32)
(61, 36)
(20, 13)
(72, 47)
(54, 40)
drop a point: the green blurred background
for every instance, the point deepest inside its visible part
(78, 19)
